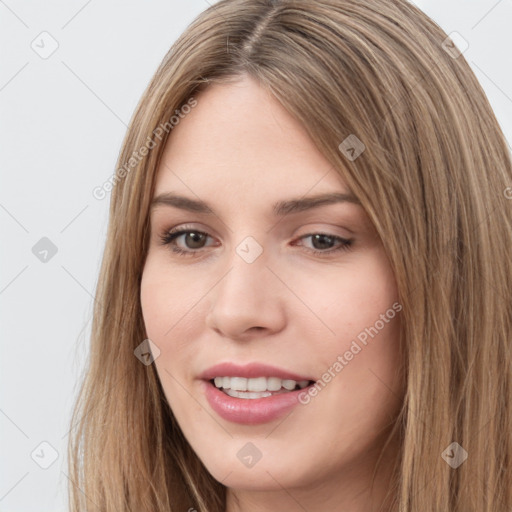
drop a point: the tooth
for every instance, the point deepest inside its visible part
(273, 384)
(257, 395)
(239, 383)
(289, 384)
(247, 394)
(258, 384)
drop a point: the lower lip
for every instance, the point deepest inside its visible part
(250, 411)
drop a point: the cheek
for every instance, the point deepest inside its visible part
(167, 298)
(168, 323)
(359, 352)
(170, 302)
(349, 301)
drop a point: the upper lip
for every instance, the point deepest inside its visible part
(250, 370)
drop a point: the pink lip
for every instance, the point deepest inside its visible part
(250, 411)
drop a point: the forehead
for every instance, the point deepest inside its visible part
(239, 141)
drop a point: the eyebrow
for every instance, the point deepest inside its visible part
(279, 209)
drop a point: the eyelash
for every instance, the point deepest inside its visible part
(168, 238)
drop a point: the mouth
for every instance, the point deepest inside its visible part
(258, 387)
(254, 393)
(253, 407)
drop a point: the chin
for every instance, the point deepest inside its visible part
(257, 464)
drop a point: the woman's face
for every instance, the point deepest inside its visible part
(267, 298)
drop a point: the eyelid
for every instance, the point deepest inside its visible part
(312, 228)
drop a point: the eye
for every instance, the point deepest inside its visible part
(195, 240)
(323, 239)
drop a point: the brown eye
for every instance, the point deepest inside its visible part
(322, 243)
(193, 241)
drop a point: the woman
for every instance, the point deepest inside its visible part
(238, 362)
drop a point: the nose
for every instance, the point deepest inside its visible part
(248, 301)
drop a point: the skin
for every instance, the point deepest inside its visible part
(240, 151)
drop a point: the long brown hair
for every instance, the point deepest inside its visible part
(434, 178)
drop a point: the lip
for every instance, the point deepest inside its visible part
(250, 411)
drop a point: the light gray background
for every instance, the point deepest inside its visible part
(63, 119)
